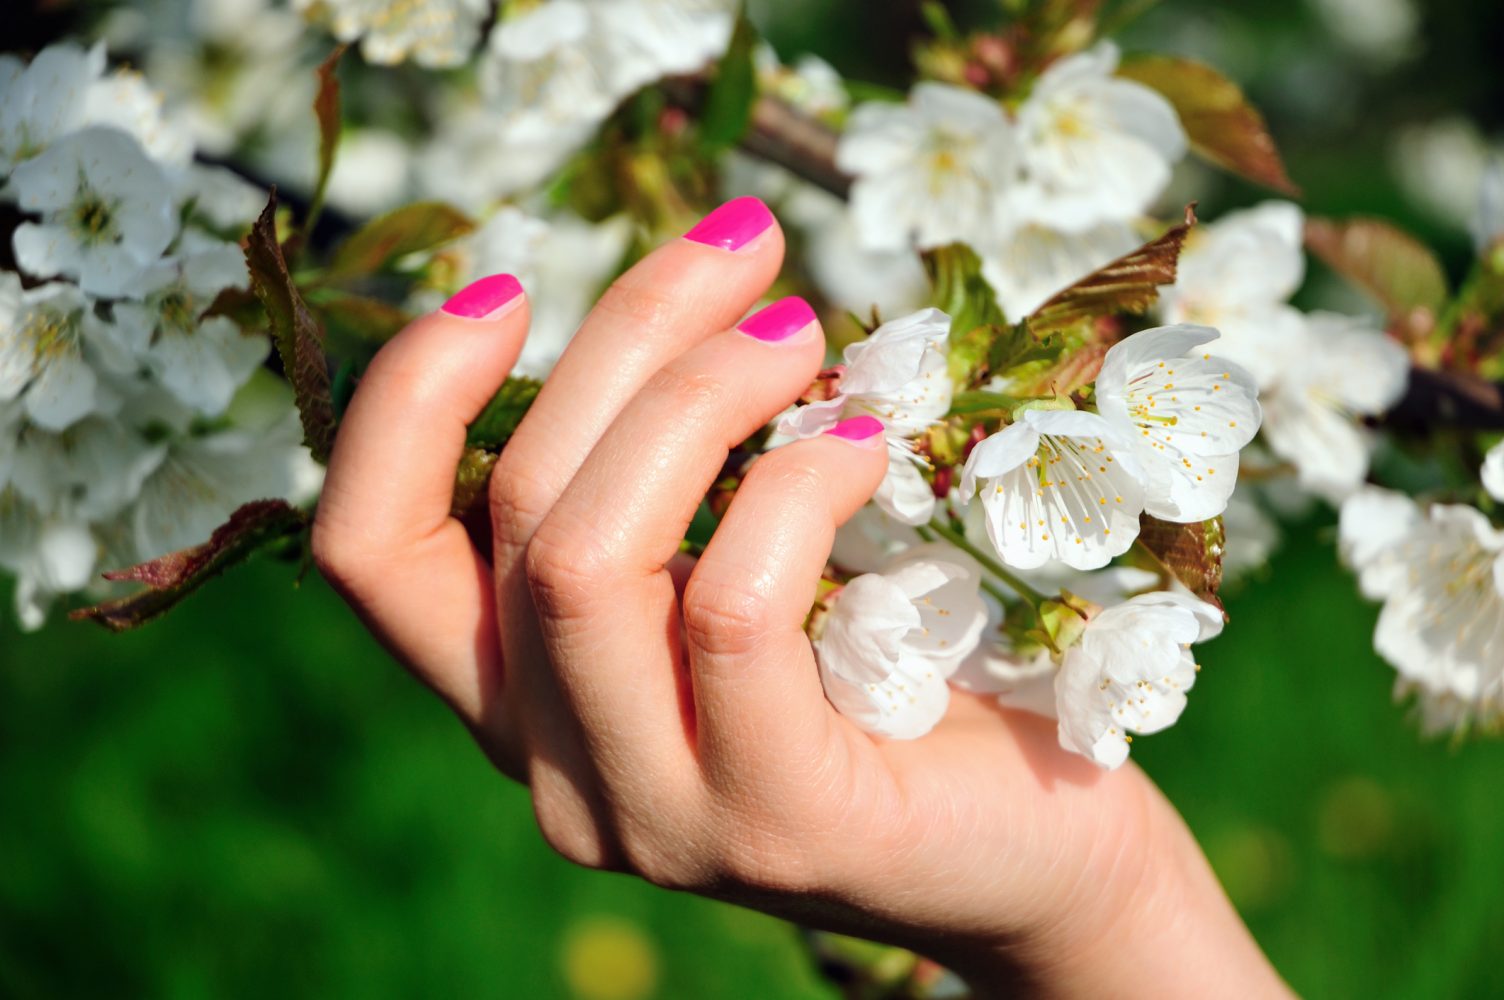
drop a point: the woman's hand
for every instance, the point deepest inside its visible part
(669, 719)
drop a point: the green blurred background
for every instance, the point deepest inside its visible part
(249, 799)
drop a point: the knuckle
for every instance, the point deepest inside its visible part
(785, 473)
(630, 299)
(520, 498)
(721, 616)
(690, 393)
(566, 563)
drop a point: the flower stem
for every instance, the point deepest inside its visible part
(1033, 597)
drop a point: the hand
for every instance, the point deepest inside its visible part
(671, 723)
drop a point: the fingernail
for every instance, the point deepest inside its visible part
(779, 321)
(485, 298)
(864, 431)
(733, 225)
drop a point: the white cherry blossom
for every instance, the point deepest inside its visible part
(202, 480)
(43, 366)
(898, 375)
(1237, 274)
(1440, 574)
(93, 469)
(1057, 484)
(1094, 147)
(1187, 413)
(48, 554)
(107, 212)
(124, 100)
(892, 638)
(928, 172)
(43, 100)
(434, 33)
(200, 360)
(1129, 673)
(546, 68)
(475, 158)
(568, 62)
(1343, 371)
(651, 39)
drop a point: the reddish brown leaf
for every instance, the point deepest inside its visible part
(1191, 553)
(326, 108)
(173, 577)
(1383, 260)
(295, 331)
(1129, 284)
(1220, 123)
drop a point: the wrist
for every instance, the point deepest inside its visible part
(1151, 920)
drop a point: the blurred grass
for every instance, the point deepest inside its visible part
(248, 799)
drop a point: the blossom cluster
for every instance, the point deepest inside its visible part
(124, 432)
(1439, 571)
(1045, 192)
(1059, 490)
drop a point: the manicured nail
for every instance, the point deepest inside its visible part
(486, 298)
(733, 225)
(864, 431)
(779, 321)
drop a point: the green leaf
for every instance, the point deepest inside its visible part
(326, 108)
(1220, 123)
(356, 326)
(388, 238)
(959, 290)
(1190, 553)
(501, 417)
(1129, 284)
(295, 331)
(170, 579)
(1383, 260)
(728, 106)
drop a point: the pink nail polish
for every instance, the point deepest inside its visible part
(485, 298)
(779, 321)
(733, 225)
(864, 431)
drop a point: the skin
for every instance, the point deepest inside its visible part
(668, 717)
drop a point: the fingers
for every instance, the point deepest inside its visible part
(383, 534)
(674, 298)
(597, 563)
(761, 714)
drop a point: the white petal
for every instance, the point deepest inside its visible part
(903, 705)
(62, 393)
(904, 495)
(865, 628)
(1373, 521)
(1493, 472)
(997, 455)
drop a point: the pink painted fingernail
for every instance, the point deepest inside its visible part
(864, 431)
(779, 321)
(486, 298)
(733, 225)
